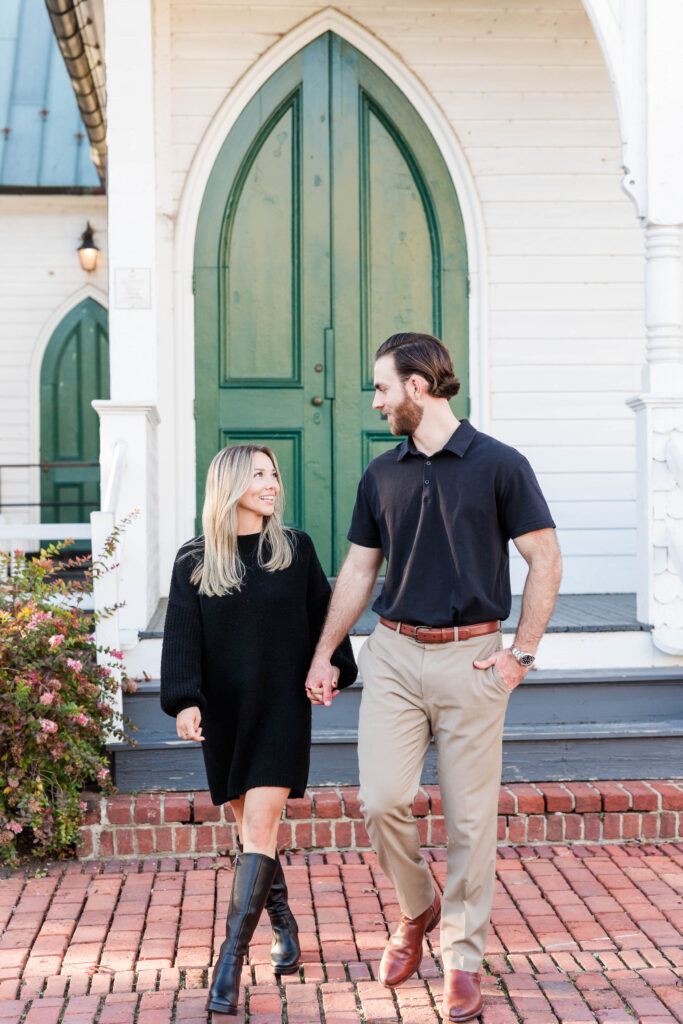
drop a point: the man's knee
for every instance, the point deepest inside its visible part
(383, 804)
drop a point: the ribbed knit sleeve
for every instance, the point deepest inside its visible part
(181, 653)
(317, 601)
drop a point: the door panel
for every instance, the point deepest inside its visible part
(329, 222)
(75, 370)
(399, 265)
(259, 280)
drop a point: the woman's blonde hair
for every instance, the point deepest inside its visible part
(230, 474)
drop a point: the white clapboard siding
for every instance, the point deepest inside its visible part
(525, 88)
(554, 352)
(539, 323)
(558, 240)
(569, 133)
(599, 405)
(594, 377)
(585, 574)
(571, 458)
(567, 269)
(587, 216)
(586, 433)
(586, 514)
(39, 272)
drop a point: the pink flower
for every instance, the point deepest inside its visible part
(47, 698)
(81, 718)
(105, 671)
(13, 826)
(56, 640)
(75, 664)
(84, 806)
(117, 654)
(102, 773)
(48, 726)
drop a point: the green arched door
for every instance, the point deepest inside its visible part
(329, 222)
(74, 371)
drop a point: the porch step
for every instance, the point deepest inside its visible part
(574, 613)
(560, 726)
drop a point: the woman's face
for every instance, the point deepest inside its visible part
(259, 498)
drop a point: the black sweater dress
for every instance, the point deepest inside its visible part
(243, 660)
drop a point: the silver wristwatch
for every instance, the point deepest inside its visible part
(524, 659)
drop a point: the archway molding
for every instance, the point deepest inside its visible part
(46, 332)
(328, 20)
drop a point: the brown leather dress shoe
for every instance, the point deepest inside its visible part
(403, 952)
(461, 995)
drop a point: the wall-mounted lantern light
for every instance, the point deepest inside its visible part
(88, 253)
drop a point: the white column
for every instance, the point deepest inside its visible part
(134, 424)
(131, 416)
(131, 199)
(663, 372)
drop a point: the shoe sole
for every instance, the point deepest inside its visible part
(402, 981)
(292, 969)
(230, 1011)
(469, 1016)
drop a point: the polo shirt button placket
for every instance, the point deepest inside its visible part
(426, 480)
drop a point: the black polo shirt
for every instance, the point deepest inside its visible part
(444, 522)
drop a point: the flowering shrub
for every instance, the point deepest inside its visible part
(55, 703)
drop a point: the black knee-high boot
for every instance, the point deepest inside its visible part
(251, 884)
(285, 951)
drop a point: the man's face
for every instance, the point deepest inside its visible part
(392, 399)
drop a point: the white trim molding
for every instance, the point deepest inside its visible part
(86, 291)
(327, 20)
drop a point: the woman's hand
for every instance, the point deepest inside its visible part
(321, 687)
(187, 724)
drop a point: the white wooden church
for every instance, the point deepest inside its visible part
(274, 187)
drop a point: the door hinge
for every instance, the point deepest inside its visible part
(467, 285)
(194, 283)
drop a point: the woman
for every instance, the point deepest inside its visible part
(245, 610)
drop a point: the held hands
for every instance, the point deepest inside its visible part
(508, 666)
(321, 682)
(188, 726)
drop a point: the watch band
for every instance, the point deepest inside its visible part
(525, 659)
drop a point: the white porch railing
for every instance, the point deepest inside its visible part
(106, 584)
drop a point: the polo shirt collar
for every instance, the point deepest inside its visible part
(458, 442)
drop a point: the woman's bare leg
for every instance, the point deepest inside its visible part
(260, 817)
(238, 810)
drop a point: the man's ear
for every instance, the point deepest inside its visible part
(417, 386)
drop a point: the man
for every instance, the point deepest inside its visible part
(441, 507)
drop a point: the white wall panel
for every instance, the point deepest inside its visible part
(39, 273)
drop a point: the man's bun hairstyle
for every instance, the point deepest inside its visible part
(425, 355)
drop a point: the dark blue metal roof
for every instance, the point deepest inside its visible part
(43, 142)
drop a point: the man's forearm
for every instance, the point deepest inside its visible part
(538, 602)
(352, 591)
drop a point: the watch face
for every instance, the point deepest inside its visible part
(526, 660)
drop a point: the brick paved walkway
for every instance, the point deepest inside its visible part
(579, 934)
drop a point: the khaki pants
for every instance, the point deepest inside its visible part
(411, 692)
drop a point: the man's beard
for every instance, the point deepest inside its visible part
(407, 417)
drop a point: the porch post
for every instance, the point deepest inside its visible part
(658, 193)
(131, 413)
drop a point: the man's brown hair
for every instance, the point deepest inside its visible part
(425, 355)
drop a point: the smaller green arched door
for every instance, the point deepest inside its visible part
(74, 372)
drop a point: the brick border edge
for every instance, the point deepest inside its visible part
(329, 819)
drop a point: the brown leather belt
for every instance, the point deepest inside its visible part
(442, 634)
